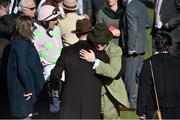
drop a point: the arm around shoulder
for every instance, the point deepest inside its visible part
(112, 68)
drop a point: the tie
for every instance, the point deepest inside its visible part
(158, 23)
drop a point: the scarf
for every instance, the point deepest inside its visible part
(112, 14)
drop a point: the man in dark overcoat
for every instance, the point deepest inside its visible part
(7, 23)
(81, 93)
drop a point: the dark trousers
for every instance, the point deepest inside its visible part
(133, 67)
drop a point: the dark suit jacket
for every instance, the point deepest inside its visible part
(96, 5)
(170, 13)
(137, 21)
(167, 79)
(81, 90)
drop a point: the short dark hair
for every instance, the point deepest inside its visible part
(5, 3)
(162, 41)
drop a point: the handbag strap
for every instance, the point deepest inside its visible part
(155, 91)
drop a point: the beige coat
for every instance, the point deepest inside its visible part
(67, 25)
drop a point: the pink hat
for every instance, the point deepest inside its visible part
(47, 12)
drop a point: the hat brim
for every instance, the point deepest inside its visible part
(71, 9)
(77, 32)
(104, 39)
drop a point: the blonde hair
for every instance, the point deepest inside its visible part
(24, 27)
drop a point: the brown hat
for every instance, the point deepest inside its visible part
(100, 34)
(69, 5)
(83, 26)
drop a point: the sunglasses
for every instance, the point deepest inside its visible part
(54, 12)
(96, 44)
(32, 8)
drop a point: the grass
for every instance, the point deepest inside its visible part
(149, 4)
(150, 7)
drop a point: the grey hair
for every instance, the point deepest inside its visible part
(22, 4)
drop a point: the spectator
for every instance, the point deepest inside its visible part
(111, 14)
(27, 8)
(24, 72)
(166, 76)
(167, 19)
(136, 45)
(113, 93)
(7, 21)
(82, 89)
(7, 24)
(69, 22)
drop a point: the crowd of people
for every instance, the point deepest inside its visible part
(84, 59)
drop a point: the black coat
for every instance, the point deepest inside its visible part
(4, 52)
(7, 24)
(167, 79)
(82, 89)
(170, 12)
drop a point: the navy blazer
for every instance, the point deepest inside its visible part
(166, 70)
(24, 75)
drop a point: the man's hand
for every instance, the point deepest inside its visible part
(88, 56)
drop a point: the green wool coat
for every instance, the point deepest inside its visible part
(116, 87)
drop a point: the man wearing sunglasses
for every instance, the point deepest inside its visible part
(113, 93)
(27, 8)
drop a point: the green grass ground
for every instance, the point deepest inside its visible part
(149, 4)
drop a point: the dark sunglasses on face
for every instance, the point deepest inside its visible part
(32, 8)
(54, 12)
(96, 44)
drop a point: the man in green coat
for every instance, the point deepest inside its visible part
(113, 93)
